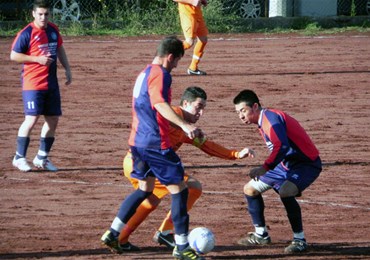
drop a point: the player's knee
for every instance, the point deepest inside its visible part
(249, 190)
(190, 41)
(288, 189)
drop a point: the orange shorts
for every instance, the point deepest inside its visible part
(159, 191)
(193, 26)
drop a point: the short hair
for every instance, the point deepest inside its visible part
(170, 45)
(248, 96)
(192, 93)
(41, 4)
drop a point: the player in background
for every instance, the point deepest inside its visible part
(38, 46)
(194, 29)
(293, 165)
(151, 150)
(192, 105)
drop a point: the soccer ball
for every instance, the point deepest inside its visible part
(202, 240)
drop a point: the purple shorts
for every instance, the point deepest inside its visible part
(165, 165)
(42, 102)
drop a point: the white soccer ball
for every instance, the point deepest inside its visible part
(202, 240)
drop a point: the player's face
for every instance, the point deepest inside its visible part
(246, 113)
(41, 17)
(194, 110)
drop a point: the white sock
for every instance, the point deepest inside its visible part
(299, 235)
(260, 230)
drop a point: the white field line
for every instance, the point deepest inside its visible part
(237, 39)
(324, 203)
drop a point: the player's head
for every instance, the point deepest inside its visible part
(248, 106)
(170, 51)
(193, 102)
(40, 13)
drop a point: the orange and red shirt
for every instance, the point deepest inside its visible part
(36, 42)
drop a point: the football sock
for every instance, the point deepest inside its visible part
(294, 213)
(167, 223)
(256, 208)
(180, 217)
(142, 212)
(197, 54)
(299, 236)
(45, 146)
(22, 146)
(130, 204)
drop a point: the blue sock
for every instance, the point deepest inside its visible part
(130, 204)
(294, 213)
(22, 146)
(45, 146)
(179, 214)
(256, 208)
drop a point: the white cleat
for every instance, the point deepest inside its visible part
(44, 164)
(21, 164)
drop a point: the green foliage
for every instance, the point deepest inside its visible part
(353, 8)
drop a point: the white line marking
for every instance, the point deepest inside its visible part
(324, 203)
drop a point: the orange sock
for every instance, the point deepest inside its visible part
(194, 195)
(197, 54)
(140, 215)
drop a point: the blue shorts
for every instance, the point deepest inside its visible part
(302, 174)
(165, 165)
(42, 102)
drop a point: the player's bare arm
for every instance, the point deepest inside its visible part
(24, 58)
(167, 112)
(64, 61)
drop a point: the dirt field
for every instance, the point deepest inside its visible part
(323, 81)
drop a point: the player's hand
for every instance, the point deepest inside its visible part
(257, 172)
(192, 131)
(246, 152)
(45, 60)
(68, 77)
(196, 2)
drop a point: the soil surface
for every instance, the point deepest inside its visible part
(323, 81)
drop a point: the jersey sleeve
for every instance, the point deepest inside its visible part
(22, 41)
(216, 150)
(159, 86)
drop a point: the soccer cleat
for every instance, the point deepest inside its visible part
(196, 72)
(297, 246)
(186, 254)
(165, 238)
(253, 238)
(128, 247)
(21, 164)
(44, 164)
(112, 242)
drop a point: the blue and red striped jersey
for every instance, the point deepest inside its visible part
(149, 128)
(36, 42)
(285, 138)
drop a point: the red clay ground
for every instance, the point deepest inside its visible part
(322, 81)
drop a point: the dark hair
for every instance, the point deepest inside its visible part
(41, 4)
(248, 96)
(170, 45)
(192, 93)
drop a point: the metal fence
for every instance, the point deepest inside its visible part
(248, 9)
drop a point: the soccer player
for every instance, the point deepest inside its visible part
(194, 29)
(38, 46)
(151, 150)
(292, 166)
(192, 105)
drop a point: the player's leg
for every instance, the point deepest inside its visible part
(202, 39)
(52, 110)
(298, 179)
(253, 194)
(164, 235)
(33, 106)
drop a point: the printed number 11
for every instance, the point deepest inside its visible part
(31, 105)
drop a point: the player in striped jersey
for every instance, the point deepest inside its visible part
(292, 166)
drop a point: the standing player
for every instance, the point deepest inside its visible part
(293, 165)
(38, 46)
(195, 29)
(151, 150)
(192, 105)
